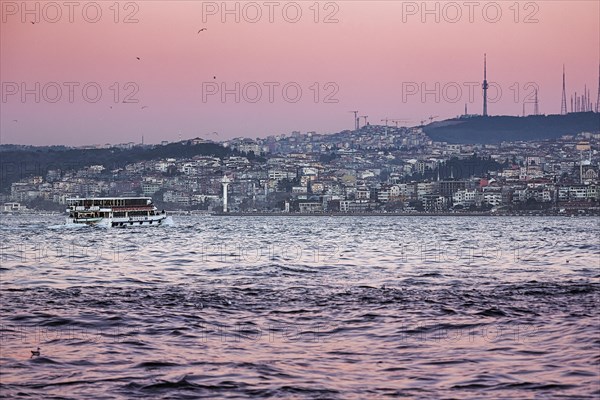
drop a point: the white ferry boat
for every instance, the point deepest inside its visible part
(115, 212)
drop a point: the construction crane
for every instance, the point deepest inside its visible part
(365, 117)
(397, 121)
(432, 117)
(355, 119)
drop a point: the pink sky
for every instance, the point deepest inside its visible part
(368, 55)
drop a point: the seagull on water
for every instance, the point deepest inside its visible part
(35, 352)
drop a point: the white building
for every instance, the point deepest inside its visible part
(13, 207)
(465, 197)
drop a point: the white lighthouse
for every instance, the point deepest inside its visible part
(225, 182)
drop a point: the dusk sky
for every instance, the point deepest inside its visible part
(373, 56)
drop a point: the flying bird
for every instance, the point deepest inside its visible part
(138, 58)
(14, 120)
(203, 29)
(144, 107)
(214, 77)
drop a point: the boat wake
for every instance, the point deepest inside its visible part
(68, 226)
(169, 221)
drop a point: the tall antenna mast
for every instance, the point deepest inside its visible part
(563, 104)
(598, 99)
(485, 85)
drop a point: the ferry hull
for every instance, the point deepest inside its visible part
(123, 222)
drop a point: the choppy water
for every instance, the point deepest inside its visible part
(302, 307)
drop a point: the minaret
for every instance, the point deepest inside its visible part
(581, 169)
(563, 104)
(225, 181)
(484, 86)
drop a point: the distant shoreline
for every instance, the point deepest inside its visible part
(338, 214)
(589, 213)
(372, 214)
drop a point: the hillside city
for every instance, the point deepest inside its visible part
(374, 169)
